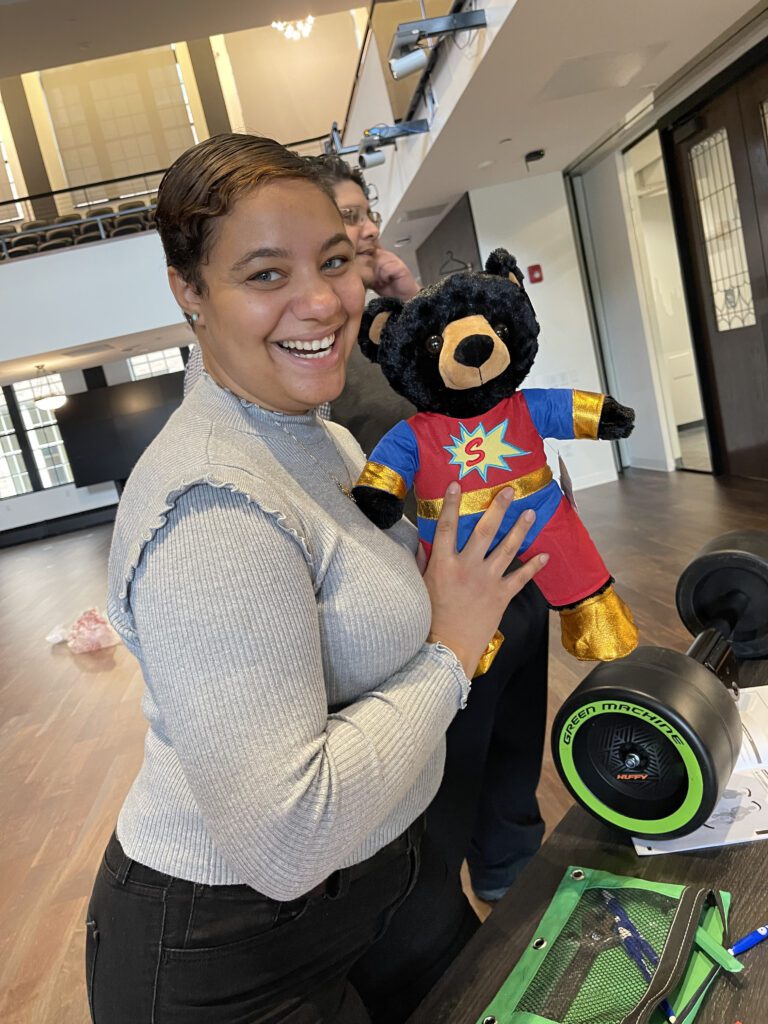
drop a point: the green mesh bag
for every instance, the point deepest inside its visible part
(610, 950)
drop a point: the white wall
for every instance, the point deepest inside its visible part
(291, 90)
(530, 218)
(56, 502)
(118, 372)
(90, 293)
(625, 330)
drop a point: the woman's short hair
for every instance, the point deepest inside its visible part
(333, 170)
(205, 182)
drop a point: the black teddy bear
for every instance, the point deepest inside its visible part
(459, 351)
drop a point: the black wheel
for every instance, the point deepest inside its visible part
(648, 743)
(728, 582)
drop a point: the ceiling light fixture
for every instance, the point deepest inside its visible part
(295, 29)
(49, 396)
(406, 56)
(368, 150)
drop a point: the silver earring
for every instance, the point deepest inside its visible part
(194, 317)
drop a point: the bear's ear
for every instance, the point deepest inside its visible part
(378, 313)
(503, 264)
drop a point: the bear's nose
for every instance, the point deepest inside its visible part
(473, 350)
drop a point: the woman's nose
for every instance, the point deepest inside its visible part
(319, 301)
(369, 230)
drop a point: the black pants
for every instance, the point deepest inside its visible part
(486, 809)
(366, 946)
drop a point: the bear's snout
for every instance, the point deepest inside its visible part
(474, 350)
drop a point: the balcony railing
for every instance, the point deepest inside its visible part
(90, 213)
(78, 216)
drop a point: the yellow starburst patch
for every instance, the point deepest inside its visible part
(482, 450)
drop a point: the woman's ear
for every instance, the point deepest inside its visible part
(186, 295)
(379, 314)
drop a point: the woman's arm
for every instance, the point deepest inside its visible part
(227, 620)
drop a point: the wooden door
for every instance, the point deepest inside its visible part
(720, 170)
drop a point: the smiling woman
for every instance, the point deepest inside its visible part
(300, 674)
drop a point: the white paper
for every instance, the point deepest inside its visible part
(753, 708)
(741, 816)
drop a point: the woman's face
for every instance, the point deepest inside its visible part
(363, 235)
(282, 302)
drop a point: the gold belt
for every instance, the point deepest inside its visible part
(478, 501)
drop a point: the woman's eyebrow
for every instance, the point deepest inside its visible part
(283, 254)
(329, 243)
(265, 253)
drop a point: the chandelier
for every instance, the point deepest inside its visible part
(47, 395)
(295, 29)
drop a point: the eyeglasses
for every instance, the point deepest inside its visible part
(354, 215)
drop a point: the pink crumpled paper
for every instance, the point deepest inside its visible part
(91, 632)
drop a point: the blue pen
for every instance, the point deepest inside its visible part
(758, 935)
(636, 947)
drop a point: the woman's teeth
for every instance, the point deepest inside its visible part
(314, 349)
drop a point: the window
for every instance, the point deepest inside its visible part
(14, 478)
(43, 431)
(155, 364)
(119, 116)
(723, 237)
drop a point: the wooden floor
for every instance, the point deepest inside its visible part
(71, 736)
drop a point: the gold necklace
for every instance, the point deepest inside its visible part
(345, 490)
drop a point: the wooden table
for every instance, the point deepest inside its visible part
(478, 973)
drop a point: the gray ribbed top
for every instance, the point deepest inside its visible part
(256, 597)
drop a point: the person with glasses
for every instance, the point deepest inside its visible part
(382, 271)
(486, 810)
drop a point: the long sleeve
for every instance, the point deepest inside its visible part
(564, 413)
(394, 461)
(227, 615)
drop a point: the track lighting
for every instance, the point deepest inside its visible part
(406, 57)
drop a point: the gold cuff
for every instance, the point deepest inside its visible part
(599, 629)
(478, 501)
(383, 479)
(587, 407)
(489, 654)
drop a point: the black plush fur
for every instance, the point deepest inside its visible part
(380, 507)
(413, 372)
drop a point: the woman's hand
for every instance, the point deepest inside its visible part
(468, 590)
(392, 276)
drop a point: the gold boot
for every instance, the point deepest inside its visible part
(599, 629)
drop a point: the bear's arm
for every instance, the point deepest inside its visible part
(388, 476)
(566, 414)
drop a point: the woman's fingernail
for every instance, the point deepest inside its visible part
(507, 494)
(529, 515)
(453, 488)
(543, 559)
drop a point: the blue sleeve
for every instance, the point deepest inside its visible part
(398, 450)
(551, 410)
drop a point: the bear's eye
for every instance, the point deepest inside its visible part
(433, 344)
(501, 331)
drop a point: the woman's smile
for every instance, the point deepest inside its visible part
(310, 349)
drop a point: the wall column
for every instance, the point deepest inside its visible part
(27, 146)
(209, 86)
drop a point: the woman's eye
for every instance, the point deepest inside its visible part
(501, 331)
(433, 344)
(336, 262)
(266, 276)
